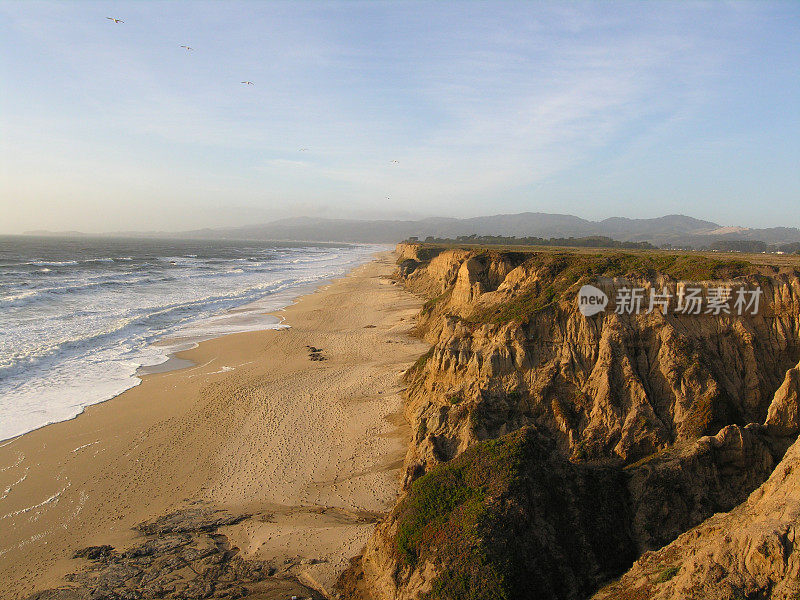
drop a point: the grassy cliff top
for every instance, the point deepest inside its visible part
(654, 257)
(556, 271)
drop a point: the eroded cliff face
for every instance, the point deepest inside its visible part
(751, 552)
(681, 416)
(510, 348)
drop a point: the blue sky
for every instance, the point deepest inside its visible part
(595, 109)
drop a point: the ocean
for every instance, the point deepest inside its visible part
(80, 318)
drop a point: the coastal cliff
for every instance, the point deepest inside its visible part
(752, 551)
(550, 450)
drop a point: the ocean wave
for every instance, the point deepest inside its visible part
(73, 287)
(139, 324)
(51, 263)
(26, 297)
(24, 358)
(19, 296)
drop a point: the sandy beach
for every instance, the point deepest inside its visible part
(308, 448)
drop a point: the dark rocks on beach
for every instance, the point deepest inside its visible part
(94, 552)
(194, 519)
(315, 353)
(182, 556)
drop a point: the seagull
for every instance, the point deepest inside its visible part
(395, 162)
(115, 20)
(247, 82)
(187, 47)
(303, 150)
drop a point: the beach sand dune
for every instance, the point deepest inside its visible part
(299, 428)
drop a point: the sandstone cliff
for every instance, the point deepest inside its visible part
(662, 420)
(750, 552)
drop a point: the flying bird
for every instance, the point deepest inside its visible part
(187, 47)
(395, 162)
(115, 20)
(303, 150)
(247, 82)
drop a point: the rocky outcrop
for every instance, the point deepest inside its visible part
(682, 486)
(751, 552)
(683, 415)
(182, 556)
(783, 415)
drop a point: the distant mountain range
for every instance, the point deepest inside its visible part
(675, 230)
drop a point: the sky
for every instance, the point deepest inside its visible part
(396, 110)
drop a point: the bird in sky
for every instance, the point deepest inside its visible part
(187, 47)
(247, 82)
(115, 20)
(395, 162)
(303, 150)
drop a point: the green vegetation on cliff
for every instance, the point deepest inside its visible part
(447, 510)
(565, 271)
(478, 519)
(452, 496)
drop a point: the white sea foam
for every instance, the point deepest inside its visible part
(19, 296)
(7, 491)
(45, 502)
(57, 263)
(85, 446)
(20, 458)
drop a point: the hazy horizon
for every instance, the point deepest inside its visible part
(596, 110)
(366, 217)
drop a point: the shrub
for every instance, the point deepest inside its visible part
(667, 574)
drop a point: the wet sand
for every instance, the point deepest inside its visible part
(310, 448)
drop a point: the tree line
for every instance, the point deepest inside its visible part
(592, 241)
